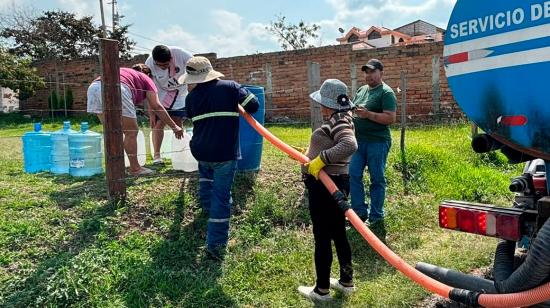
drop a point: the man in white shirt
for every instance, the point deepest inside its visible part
(167, 66)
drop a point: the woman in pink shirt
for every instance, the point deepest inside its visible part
(135, 87)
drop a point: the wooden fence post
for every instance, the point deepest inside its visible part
(314, 82)
(403, 130)
(112, 123)
(353, 70)
(436, 91)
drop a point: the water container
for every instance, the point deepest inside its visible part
(182, 159)
(37, 146)
(166, 145)
(85, 152)
(60, 149)
(251, 142)
(141, 154)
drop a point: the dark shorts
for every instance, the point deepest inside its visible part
(180, 113)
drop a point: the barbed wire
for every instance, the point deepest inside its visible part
(287, 91)
(411, 100)
(457, 119)
(114, 157)
(35, 81)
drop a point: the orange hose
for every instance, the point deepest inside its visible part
(520, 299)
(329, 184)
(525, 298)
(422, 279)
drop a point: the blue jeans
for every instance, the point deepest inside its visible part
(215, 181)
(372, 155)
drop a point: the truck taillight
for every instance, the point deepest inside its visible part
(481, 219)
(539, 181)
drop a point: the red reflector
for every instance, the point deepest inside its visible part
(508, 227)
(481, 222)
(517, 120)
(467, 221)
(457, 58)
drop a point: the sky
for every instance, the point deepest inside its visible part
(237, 27)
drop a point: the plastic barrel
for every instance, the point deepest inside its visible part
(250, 141)
(37, 147)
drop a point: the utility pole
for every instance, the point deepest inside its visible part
(114, 15)
(103, 30)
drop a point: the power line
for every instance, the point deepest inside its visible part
(150, 39)
(142, 48)
(147, 38)
(141, 36)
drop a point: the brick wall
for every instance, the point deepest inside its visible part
(285, 77)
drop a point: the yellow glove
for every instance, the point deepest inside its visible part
(315, 166)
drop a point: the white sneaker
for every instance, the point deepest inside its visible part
(158, 161)
(336, 285)
(312, 295)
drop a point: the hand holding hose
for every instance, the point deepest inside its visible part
(315, 166)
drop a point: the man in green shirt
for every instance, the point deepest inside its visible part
(376, 104)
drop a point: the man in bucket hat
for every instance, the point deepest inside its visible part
(330, 149)
(376, 104)
(213, 107)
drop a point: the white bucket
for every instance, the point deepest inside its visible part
(165, 147)
(141, 154)
(182, 159)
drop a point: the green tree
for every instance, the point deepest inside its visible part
(293, 36)
(56, 34)
(17, 73)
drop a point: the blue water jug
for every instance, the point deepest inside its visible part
(250, 141)
(37, 146)
(60, 149)
(85, 152)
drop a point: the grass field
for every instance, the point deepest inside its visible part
(63, 244)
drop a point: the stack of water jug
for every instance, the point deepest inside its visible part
(78, 153)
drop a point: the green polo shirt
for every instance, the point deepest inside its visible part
(378, 99)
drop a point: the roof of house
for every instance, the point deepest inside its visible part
(421, 21)
(383, 31)
(363, 34)
(361, 45)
